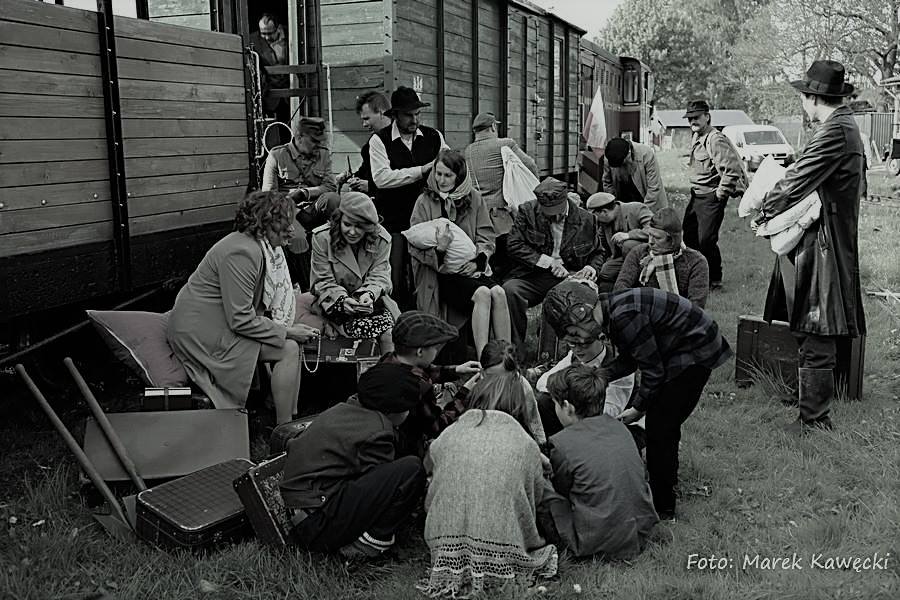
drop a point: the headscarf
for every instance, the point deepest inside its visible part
(458, 200)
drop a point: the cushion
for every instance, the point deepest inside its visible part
(138, 339)
(462, 248)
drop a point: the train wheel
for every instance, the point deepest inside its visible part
(893, 166)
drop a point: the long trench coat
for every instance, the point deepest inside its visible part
(825, 298)
(335, 274)
(475, 221)
(216, 327)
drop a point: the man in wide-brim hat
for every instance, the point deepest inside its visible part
(402, 155)
(816, 287)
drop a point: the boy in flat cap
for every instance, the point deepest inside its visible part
(623, 226)
(344, 488)
(716, 174)
(631, 173)
(815, 287)
(418, 338)
(302, 170)
(551, 239)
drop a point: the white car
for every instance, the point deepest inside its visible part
(755, 142)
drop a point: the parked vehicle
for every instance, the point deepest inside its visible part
(755, 142)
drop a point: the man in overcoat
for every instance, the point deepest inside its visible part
(816, 287)
(631, 174)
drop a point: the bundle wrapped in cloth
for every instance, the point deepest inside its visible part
(424, 236)
(784, 230)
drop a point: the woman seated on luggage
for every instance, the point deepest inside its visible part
(216, 327)
(666, 263)
(455, 296)
(350, 275)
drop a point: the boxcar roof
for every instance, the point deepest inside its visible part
(720, 118)
(529, 6)
(599, 51)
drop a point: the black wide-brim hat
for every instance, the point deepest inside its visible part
(824, 78)
(405, 99)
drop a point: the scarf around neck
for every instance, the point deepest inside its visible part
(663, 266)
(457, 201)
(278, 291)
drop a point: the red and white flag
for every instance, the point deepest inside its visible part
(595, 124)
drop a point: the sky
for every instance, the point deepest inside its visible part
(588, 14)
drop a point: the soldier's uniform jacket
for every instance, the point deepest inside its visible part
(287, 168)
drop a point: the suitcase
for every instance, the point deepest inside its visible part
(284, 433)
(260, 494)
(550, 349)
(339, 350)
(182, 398)
(197, 511)
(773, 349)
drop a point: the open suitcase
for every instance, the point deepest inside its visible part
(197, 511)
(258, 490)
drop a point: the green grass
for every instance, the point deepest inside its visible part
(747, 488)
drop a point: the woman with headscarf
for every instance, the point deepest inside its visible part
(472, 291)
(666, 263)
(216, 327)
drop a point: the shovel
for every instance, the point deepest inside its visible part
(117, 523)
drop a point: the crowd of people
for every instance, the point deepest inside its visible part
(422, 247)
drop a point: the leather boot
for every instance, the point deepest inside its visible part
(816, 392)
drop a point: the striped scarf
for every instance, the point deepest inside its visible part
(663, 266)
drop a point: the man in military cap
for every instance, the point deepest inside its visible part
(551, 239)
(302, 169)
(716, 174)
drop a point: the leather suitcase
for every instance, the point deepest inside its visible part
(260, 494)
(772, 348)
(284, 433)
(197, 511)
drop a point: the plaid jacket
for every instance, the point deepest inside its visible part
(661, 334)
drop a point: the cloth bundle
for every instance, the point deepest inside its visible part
(518, 181)
(424, 236)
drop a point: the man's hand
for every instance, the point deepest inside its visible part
(468, 368)
(588, 272)
(302, 333)
(427, 167)
(620, 238)
(558, 268)
(298, 195)
(468, 269)
(630, 415)
(358, 185)
(443, 238)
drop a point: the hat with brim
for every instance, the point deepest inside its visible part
(552, 197)
(824, 78)
(696, 107)
(405, 99)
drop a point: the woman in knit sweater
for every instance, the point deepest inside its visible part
(666, 263)
(487, 480)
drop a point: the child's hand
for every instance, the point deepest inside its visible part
(545, 464)
(468, 368)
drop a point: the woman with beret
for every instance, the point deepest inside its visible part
(350, 279)
(216, 327)
(455, 296)
(666, 263)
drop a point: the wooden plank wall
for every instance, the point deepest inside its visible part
(459, 106)
(416, 52)
(54, 178)
(183, 123)
(517, 98)
(353, 44)
(489, 76)
(187, 13)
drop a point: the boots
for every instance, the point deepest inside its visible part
(816, 392)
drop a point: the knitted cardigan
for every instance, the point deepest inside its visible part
(481, 525)
(691, 273)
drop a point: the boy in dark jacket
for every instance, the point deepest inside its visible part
(601, 503)
(343, 487)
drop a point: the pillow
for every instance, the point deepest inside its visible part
(461, 250)
(138, 339)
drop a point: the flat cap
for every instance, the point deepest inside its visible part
(389, 388)
(416, 328)
(551, 196)
(483, 120)
(599, 200)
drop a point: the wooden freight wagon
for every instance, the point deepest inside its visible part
(463, 56)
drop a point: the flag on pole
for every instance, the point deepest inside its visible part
(595, 124)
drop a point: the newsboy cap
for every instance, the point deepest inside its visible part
(599, 200)
(416, 328)
(359, 207)
(696, 107)
(483, 120)
(551, 196)
(388, 388)
(314, 127)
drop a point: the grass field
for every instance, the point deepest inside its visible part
(747, 489)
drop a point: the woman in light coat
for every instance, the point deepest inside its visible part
(455, 296)
(350, 278)
(216, 327)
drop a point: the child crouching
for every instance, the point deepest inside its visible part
(342, 486)
(602, 503)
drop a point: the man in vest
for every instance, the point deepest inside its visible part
(372, 108)
(402, 155)
(485, 162)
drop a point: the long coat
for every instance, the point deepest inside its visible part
(827, 299)
(644, 174)
(335, 274)
(475, 222)
(216, 327)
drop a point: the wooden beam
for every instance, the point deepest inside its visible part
(504, 69)
(441, 81)
(476, 66)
